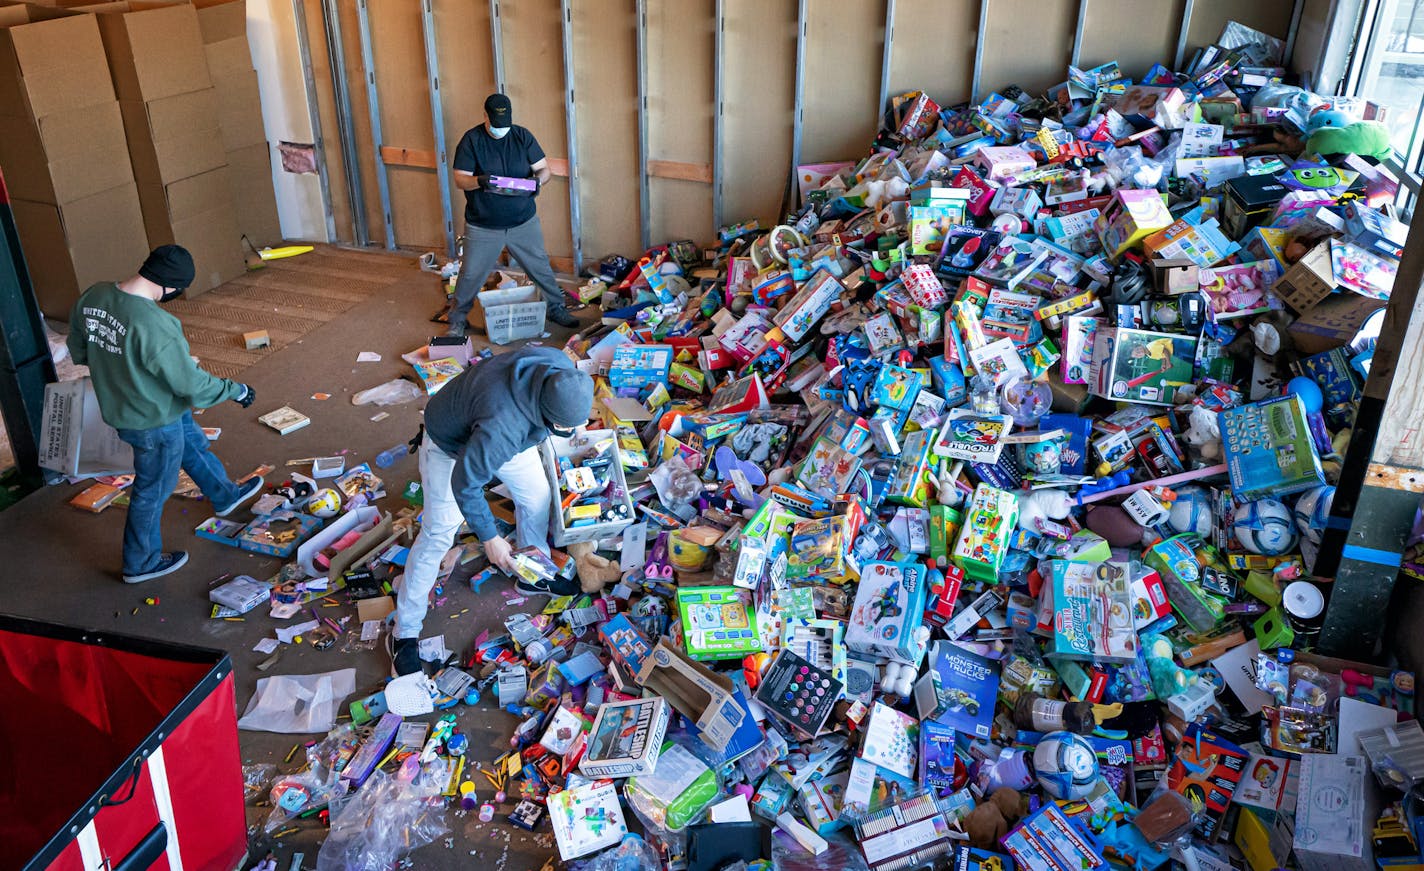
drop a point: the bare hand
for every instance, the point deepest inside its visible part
(500, 554)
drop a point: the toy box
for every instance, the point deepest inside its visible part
(1268, 448)
(817, 641)
(1092, 612)
(1250, 199)
(1307, 281)
(958, 690)
(818, 546)
(1049, 839)
(808, 306)
(1132, 216)
(1238, 290)
(930, 222)
(936, 763)
(1375, 231)
(586, 819)
(1005, 161)
(1335, 322)
(1141, 365)
(716, 623)
(1362, 271)
(1335, 834)
(702, 696)
(910, 485)
(1205, 771)
(967, 858)
(983, 540)
(828, 468)
(799, 692)
(891, 740)
(888, 614)
(972, 437)
(626, 738)
(277, 534)
(637, 366)
(965, 250)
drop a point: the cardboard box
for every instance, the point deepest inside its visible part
(228, 58)
(254, 203)
(216, 246)
(626, 739)
(53, 65)
(155, 53)
(74, 440)
(221, 20)
(71, 246)
(1174, 276)
(1333, 323)
(1333, 825)
(1249, 201)
(173, 137)
(65, 156)
(703, 696)
(1307, 281)
(239, 109)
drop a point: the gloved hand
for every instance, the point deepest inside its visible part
(246, 397)
(483, 180)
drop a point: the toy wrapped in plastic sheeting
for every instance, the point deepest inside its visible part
(387, 818)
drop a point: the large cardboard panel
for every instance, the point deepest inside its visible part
(1154, 34)
(842, 80)
(1209, 16)
(190, 197)
(759, 80)
(155, 53)
(933, 48)
(65, 156)
(173, 138)
(14, 13)
(606, 103)
(69, 247)
(228, 57)
(239, 105)
(681, 66)
(222, 19)
(213, 240)
(249, 177)
(1310, 41)
(534, 72)
(1028, 43)
(462, 39)
(52, 65)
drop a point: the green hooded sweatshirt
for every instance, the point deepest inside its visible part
(139, 361)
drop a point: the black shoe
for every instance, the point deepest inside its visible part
(250, 489)
(405, 656)
(561, 316)
(457, 329)
(169, 562)
(557, 587)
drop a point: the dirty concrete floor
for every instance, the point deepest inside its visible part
(70, 559)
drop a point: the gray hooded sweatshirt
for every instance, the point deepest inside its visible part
(497, 408)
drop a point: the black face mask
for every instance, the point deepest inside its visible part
(171, 293)
(561, 433)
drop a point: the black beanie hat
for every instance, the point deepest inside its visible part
(169, 266)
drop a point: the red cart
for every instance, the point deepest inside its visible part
(116, 753)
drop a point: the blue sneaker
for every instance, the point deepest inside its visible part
(169, 562)
(250, 489)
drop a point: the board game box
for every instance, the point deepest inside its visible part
(586, 819)
(626, 738)
(716, 623)
(1269, 449)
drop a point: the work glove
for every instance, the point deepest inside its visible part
(483, 179)
(246, 397)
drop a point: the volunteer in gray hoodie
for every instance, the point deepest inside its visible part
(484, 424)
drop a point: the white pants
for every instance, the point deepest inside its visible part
(441, 519)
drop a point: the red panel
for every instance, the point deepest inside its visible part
(68, 860)
(121, 827)
(205, 781)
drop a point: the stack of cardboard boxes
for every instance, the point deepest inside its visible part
(64, 156)
(170, 115)
(244, 139)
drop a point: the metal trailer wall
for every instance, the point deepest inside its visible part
(653, 158)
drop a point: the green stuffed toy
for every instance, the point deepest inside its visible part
(1369, 138)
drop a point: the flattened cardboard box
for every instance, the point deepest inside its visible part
(239, 107)
(249, 174)
(65, 156)
(216, 246)
(155, 53)
(227, 58)
(173, 138)
(69, 247)
(222, 19)
(53, 65)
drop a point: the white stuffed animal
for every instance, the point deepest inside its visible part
(1037, 505)
(1203, 432)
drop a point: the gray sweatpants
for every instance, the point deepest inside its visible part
(482, 249)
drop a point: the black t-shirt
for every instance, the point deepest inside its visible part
(512, 155)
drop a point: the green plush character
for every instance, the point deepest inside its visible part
(1370, 138)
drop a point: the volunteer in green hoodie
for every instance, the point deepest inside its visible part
(147, 385)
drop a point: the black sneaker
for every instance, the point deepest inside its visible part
(456, 329)
(169, 562)
(405, 655)
(562, 317)
(250, 489)
(557, 587)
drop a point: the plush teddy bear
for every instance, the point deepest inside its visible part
(594, 571)
(1203, 432)
(992, 819)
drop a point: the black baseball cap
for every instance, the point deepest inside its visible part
(168, 266)
(500, 113)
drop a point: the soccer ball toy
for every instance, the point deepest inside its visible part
(1264, 526)
(1312, 510)
(325, 503)
(1066, 765)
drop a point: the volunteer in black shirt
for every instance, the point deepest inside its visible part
(497, 218)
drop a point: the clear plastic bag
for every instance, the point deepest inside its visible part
(675, 482)
(389, 817)
(633, 854)
(679, 790)
(313, 786)
(393, 392)
(255, 778)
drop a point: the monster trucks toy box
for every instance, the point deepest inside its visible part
(958, 690)
(888, 616)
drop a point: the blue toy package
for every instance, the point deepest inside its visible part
(636, 366)
(936, 763)
(896, 387)
(959, 691)
(1073, 454)
(967, 858)
(1269, 448)
(888, 615)
(1049, 839)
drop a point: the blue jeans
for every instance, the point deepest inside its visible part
(158, 455)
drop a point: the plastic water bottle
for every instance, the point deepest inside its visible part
(388, 457)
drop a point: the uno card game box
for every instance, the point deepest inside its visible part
(799, 692)
(715, 623)
(1269, 449)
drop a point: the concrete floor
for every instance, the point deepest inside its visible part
(70, 559)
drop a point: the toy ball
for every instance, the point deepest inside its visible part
(1309, 393)
(1191, 512)
(1026, 401)
(326, 503)
(1312, 510)
(1265, 527)
(1066, 765)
